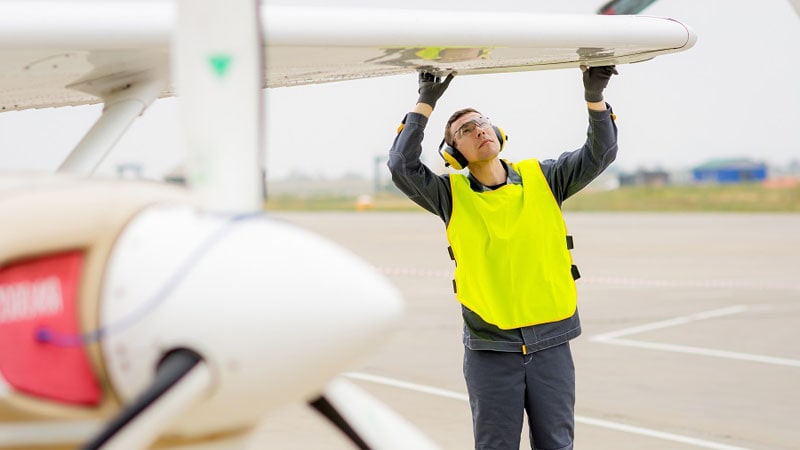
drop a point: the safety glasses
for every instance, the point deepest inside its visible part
(467, 129)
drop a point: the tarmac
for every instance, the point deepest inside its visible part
(691, 324)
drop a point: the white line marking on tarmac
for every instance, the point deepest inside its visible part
(407, 385)
(579, 419)
(705, 352)
(614, 338)
(682, 320)
(655, 434)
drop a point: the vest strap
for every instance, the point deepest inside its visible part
(570, 243)
(575, 273)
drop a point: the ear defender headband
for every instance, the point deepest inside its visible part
(455, 159)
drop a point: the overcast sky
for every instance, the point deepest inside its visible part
(735, 94)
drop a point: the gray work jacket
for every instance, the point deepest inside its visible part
(568, 174)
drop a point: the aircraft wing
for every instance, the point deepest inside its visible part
(63, 53)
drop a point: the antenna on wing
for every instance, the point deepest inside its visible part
(219, 71)
(615, 7)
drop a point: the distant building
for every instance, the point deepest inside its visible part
(644, 177)
(738, 170)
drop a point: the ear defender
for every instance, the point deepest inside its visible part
(451, 156)
(455, 159)
(501, 136)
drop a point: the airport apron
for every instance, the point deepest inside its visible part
(513, 267)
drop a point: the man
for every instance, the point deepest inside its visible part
(514, 275)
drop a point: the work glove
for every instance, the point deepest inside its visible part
(431, 87)
(595, 79)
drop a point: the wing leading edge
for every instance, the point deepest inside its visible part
(49, 52)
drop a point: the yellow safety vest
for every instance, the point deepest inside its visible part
(513, 267)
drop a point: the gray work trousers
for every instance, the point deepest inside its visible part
(501, 385)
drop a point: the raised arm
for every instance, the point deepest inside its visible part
(572, 171)
(409, 174)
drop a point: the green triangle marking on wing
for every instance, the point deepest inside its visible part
(220, 63)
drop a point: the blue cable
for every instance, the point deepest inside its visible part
(48, 336)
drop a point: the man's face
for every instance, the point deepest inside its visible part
(475, 138)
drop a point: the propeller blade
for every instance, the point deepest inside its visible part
(324, 407)
(181, 377)
(370, 424)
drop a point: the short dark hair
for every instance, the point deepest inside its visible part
(448, 136)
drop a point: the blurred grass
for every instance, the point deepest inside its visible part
(691, 198)
(747, 197)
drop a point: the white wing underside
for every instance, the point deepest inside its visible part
(50, 52)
